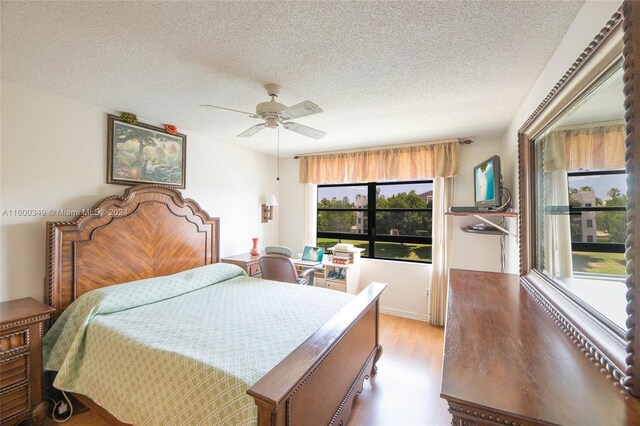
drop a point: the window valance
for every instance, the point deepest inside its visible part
(403, 163)
(591, 148)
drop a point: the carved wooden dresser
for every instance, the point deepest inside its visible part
(507, 363)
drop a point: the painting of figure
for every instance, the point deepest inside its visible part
(140, 153)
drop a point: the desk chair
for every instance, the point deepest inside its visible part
(277, 264)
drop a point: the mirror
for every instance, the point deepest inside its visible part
(580, 192)
(578, 165)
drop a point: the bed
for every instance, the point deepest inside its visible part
(151, 231)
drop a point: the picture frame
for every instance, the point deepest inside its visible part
(141, 153)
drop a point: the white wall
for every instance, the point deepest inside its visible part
(405, 295)
(54, 157)
(290, 210)
(588, 22)
(474, 251)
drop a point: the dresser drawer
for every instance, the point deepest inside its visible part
(13, 371)
(14, 403)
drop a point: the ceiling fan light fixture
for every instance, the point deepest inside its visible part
(269, 109)
(272, 122)
(274, 113)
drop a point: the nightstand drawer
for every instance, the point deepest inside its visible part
(14, 402)
(22, 322)
(13, 371)
(254, 270)
(14, 341)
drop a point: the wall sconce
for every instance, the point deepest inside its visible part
(267, 208)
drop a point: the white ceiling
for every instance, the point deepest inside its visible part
(384, 72)
(605, 103)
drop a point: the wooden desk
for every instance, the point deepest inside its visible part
(507, 362)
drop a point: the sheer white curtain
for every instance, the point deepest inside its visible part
(442, 197)
(310, 213)
(558, 259)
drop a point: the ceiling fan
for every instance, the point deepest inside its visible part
(275, 114)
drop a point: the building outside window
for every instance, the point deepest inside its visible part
(389, 220)
(597, 203)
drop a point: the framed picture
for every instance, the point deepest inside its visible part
(140, 153)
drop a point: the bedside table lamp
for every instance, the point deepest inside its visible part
(267, 208)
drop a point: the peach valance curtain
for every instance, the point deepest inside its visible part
(407, 163)
(593, 148)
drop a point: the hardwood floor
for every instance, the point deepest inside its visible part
(406, 390)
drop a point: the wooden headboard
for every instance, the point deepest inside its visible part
(147, 232)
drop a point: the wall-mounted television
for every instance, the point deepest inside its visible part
(487, 182)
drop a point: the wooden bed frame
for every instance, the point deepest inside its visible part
(152, 231)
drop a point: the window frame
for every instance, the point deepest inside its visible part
(596, 247)
(371, 237)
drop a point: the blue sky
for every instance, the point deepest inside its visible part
(600, 184)
(386, 190)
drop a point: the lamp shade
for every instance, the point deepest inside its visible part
(271, 200)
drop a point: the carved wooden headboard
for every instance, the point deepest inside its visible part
(147, 232)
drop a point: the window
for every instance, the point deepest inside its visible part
(388, 220)
(597, 205)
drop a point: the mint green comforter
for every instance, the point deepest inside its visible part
(183, 349)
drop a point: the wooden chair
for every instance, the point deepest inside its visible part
(278, 265)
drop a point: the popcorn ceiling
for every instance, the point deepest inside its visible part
(384, 72)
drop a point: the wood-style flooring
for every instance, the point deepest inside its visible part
(406, 390)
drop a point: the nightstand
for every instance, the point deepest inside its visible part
(21, 328)
(251, 264)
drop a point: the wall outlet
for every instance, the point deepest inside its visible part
(426, 292)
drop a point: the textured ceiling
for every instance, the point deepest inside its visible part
(605, 103)
(384, 72)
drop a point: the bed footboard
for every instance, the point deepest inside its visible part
(318, 382)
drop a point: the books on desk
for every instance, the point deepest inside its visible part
(344, 254)
(342, 257)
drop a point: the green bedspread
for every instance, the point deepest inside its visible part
(183, 349)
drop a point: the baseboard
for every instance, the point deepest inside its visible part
(404, 314)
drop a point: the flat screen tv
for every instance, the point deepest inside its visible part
(486, 180)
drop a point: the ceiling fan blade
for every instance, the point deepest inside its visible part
(304, 130)
(300, 110)
(252, 130)
(250, 114)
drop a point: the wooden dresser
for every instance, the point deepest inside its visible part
(247, 262)
(21, 329)
(507, 363)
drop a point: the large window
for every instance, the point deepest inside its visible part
(387, 220)
(597, 203)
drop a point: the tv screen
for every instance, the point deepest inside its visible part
(486, 177)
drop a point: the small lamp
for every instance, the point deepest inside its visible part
(267, 208)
